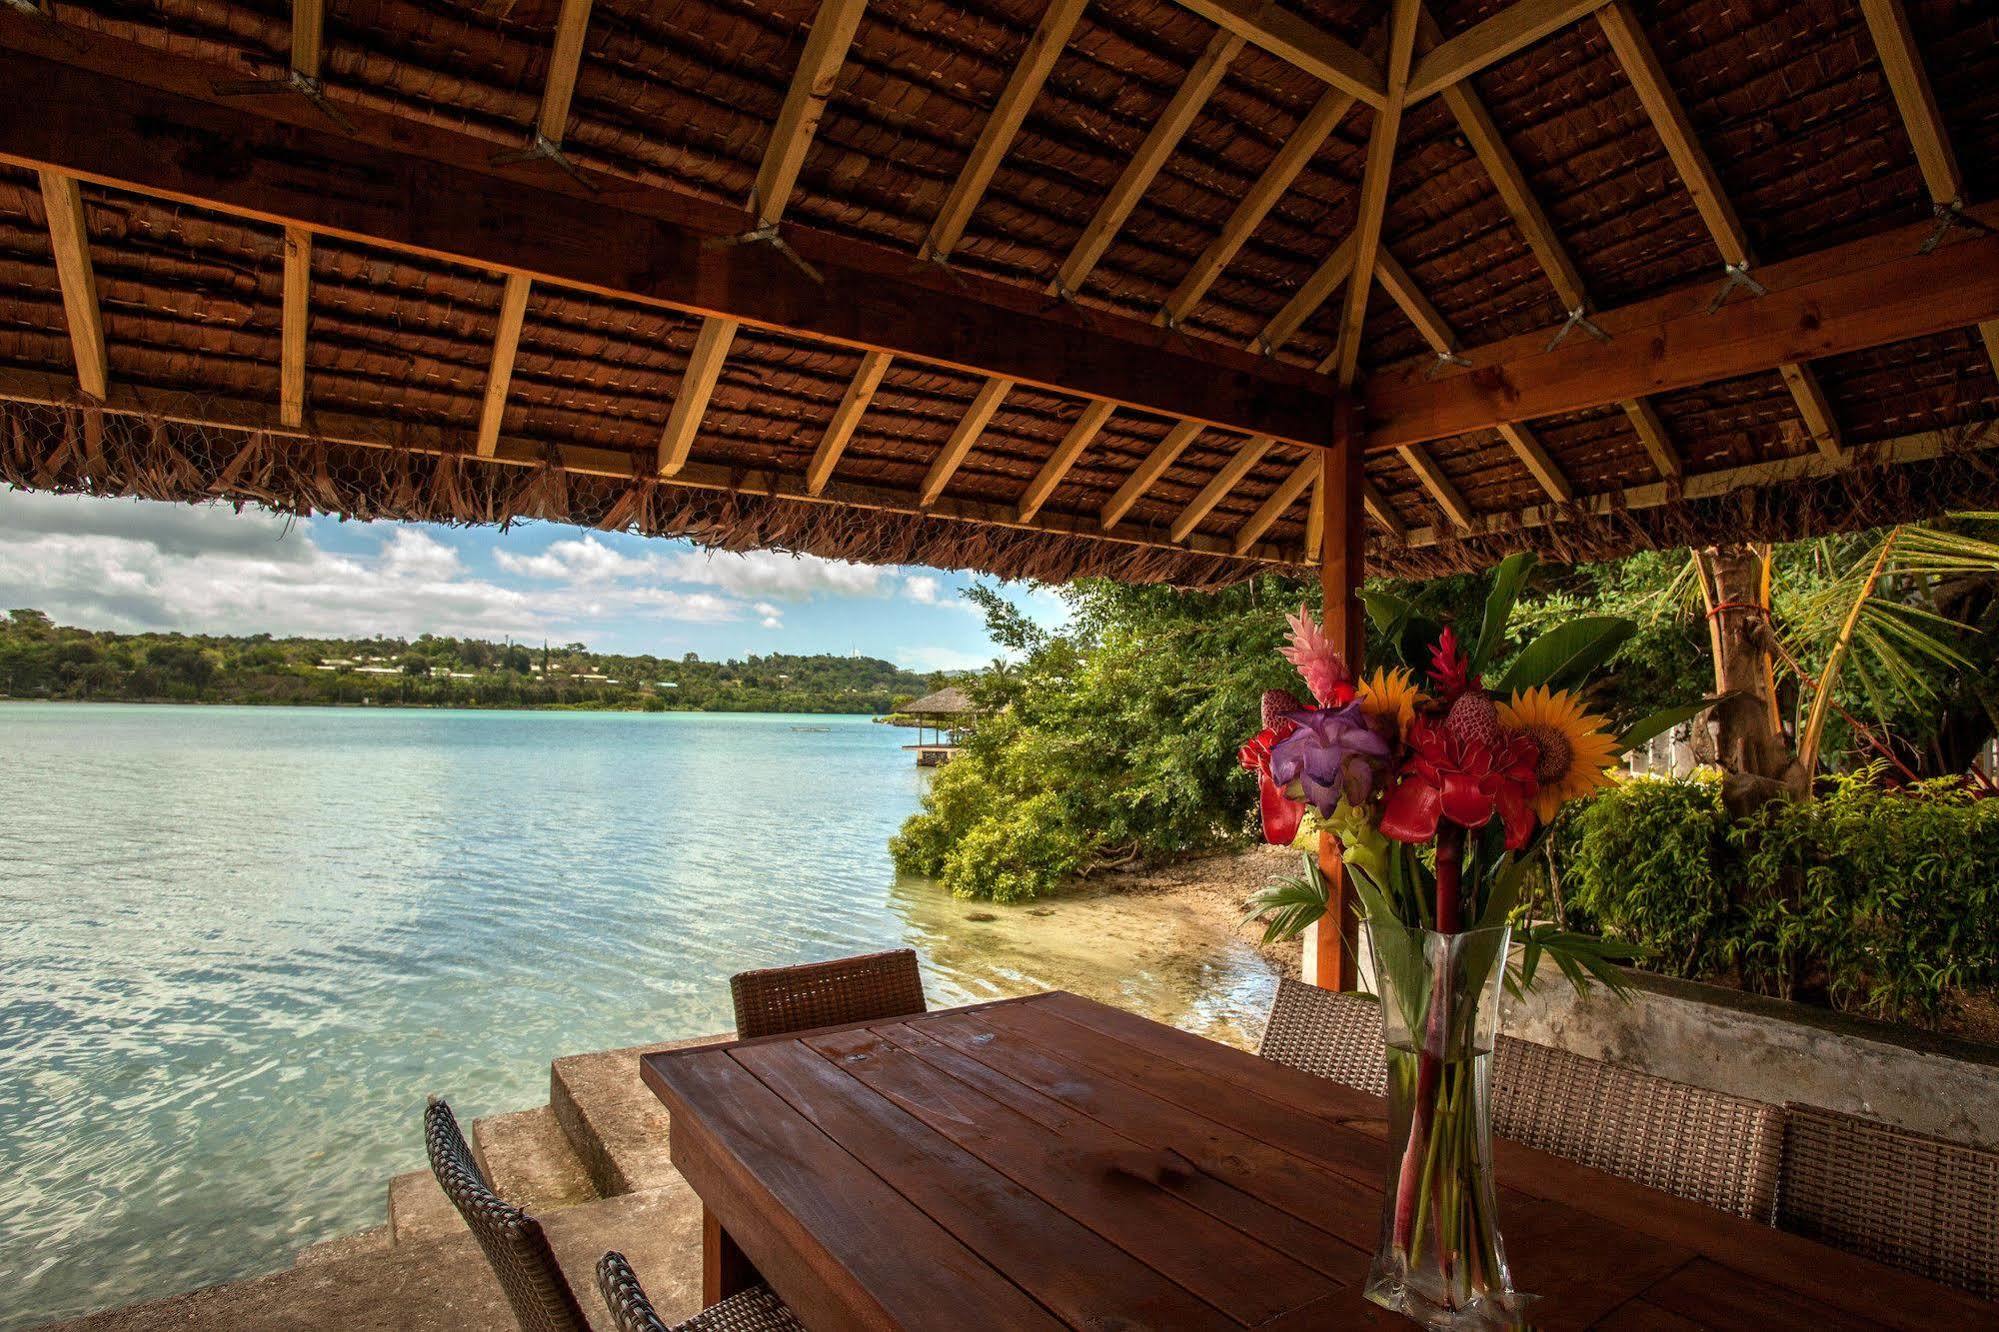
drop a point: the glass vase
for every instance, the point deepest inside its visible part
(1441, 1260)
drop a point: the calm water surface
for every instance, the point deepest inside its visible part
(239, 945)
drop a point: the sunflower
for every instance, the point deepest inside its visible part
(1391, 694)
(1576, 749)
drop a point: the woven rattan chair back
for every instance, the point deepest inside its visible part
(1914, 1202)
(1694, 1143)
(1328, 1034)
(822, 994)
(752, 1310)
(512, 1240)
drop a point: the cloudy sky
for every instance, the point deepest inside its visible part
(132, 564)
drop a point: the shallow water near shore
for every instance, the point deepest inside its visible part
(239, 945)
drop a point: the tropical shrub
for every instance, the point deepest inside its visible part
(1887, 900)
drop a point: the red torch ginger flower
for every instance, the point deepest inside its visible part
(1281, 814)
(1449, 776)
(1326, 675)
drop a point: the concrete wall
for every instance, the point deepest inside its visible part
(1774, 1051)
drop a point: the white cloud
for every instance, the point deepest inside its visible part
(768, 574)
(923, 589)
(773, 617)
(936, 657)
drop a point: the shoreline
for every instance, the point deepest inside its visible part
(1211, 888)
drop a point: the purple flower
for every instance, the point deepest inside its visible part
(1333, 753)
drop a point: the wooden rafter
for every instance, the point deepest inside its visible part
(690, 401)
(1402, 289)
(500, 369)
(1651, 432)
(118, 114)
(984, 403)
(1382, 511)
(1283, 171)
(1909, 81)
(1866, 293)
(846, 416)
(1536, 460)
(1296, 42)
(1030, 71)
(565, 63)
(1247, 455)
(1662, 106)
(294, 320)
(826, 47)
(1314, 292)
(1164, 454)
(1281, 499)
(1512, 29)
(1059, 462)
(1441, 490)
(69, 245)
(308, 37)
(1374, 185)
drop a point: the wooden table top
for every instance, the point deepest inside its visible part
(1051, 1162)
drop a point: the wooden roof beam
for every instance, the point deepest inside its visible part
(1820, 425)
(1281, 499)
(1909, 81)
(1866, 293)
(1380, 166)
(292, 327)
(812, 83)
(697, 384)
(1164, 454)
(1059, 462)
(1441, 490)
(1314, 292)
(1382, 511)
(1030, 71)
(846, 416)
(1296, 42)
(1536, 459)
(500, 370)
(308, 37)
(1651, 432)
(973, 424)
(1247, 455)
(69, 245)
(1512, 29)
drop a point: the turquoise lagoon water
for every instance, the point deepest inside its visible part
(239, 945)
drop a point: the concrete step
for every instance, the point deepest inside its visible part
(375, 1239)
(419, 1211)
(613, 1121)
(529, 1161)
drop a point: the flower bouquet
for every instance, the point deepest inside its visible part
(1436, 792)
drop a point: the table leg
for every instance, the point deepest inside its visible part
(725, 1269)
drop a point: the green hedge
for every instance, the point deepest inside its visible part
(1889, 899)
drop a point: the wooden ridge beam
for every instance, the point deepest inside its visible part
(1246, 456)
(697, 384)
(973, 424)
(1374, 182)
(1291, 39)
(1723, 481)
(1909, 81)
(69, 246)
(1164, 454)
(1030, 71)
(397, 434)
(1277, 178)
(860, 392)
(294, 319)
(1280, 500)
(1059, 462)
(430, 191)
(1867, 293)
(1441, 490)
(1512, 29)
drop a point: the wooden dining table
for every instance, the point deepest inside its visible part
(1052, 1162)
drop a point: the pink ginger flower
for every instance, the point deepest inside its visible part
(1318, 661)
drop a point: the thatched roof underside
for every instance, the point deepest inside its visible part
(1787, 97)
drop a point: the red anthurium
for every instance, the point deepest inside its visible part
(1465, 781)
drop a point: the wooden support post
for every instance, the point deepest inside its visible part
(1330, 946)
(725, 1269)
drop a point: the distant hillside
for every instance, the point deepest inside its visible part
(39, 659)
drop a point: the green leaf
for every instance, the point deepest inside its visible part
(1662, 721)
(1507, 580)
(1566, 654)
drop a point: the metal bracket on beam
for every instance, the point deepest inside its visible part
(291, 81)
(1736, 275)
(1444, 359)
(1578, 318)
(1263, 342)
(541, 148)
(1948, 216)
(766, 233)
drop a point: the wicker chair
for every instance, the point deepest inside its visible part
(1707, 1146)
(1914, 1202)
(512, 1240)
(1327, 1034)
(822, 994)
(1713, 1148)
(752, 1310)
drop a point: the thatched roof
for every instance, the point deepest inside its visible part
(1188, 192)
(949, 701)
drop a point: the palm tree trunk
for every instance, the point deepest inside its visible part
(1757, 760)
